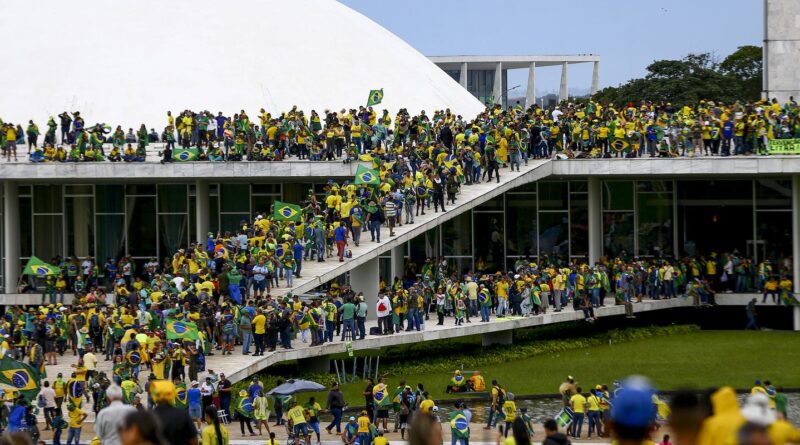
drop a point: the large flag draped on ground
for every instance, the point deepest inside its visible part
(181, 330)
(287, 212)
(19, 377)
(185, 154)
(375, 97)
(367, 176)
(39, 268)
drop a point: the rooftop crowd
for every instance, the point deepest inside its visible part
(581, 129)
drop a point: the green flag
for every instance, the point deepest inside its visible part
(185, 154)
(19, 377)
(375, 97)
(367, 176)
(39, 268)
(287, 212)
(181, 330)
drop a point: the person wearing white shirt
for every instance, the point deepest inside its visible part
(110, 418)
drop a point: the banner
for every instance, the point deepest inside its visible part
(783, 147)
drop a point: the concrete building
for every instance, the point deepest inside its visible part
(781, 49)
(275, 54)
(479, 74)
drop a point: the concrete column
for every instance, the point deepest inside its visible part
(530, 96)
(462, 75)
(563, 92)
(595, 221)
(366, 278)
(317, 365)
(398, 262)
(11, 239)
(497, 91)
(596, 78)
(202, 210)
(497, 338)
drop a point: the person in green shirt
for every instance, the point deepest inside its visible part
(348, 319)
(781, 402)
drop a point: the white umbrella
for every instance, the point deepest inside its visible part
(295, 386)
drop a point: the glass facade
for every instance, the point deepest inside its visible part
(547, 219)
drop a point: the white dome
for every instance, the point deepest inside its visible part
(128, 62)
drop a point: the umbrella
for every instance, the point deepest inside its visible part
(295, 386)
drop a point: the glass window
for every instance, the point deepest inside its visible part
(49, 238)
(579, 225)
(110, 199)
(553, 234)
(78, 189)
(213, 213)
(739, 191)
(578, 187)
(172, 198)
(417, 250)
(235, 198)
(25, 228)
(774, 193)
(457, 236)
(522, 232)
(618, 195)
(262, 204)
(80, 226)
(617, 234)
(110, 237)
(655, 224)
(173, 233)
(525, 188)
(774, 230)
(47, 199)
(654, 186)
(489, 250)
(459, 265)
(232, 222)
(141, 219)
(495, 203)
(553, 196)
(140, 189)
(267, 189)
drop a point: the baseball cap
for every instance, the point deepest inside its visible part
(352, 418)
(633, 406)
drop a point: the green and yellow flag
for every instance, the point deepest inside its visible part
(287, 212)
(181, 330)
(185, 155)
(367, 176)
(19, 377)
(375, 97)
(39, 268)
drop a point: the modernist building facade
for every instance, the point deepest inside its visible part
(579, 210)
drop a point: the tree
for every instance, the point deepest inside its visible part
(691, 79)
(746, 64)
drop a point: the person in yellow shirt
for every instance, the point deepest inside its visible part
(379, 439)
(593, 405)
(297, 420)
(259, 323)
(578, 404)
(363, 428)
(76, 418)
(215, 433)
(501, 290)
(509, 412)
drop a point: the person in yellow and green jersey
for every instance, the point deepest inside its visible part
(313, 408)
(509, 412)
(578, 404)
(593, 405)
(363, 432)
(214, 433)
(297, 420)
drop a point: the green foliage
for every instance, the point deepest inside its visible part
(693, 78)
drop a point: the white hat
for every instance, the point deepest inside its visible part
(756, 410)
(435, 409)
(194, 383)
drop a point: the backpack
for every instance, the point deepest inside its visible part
(501, 395)
(94, 321)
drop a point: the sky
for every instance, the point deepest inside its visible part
(627, 34)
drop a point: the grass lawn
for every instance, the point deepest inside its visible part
(698, 360)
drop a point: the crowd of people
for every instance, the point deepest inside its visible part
(584, 129)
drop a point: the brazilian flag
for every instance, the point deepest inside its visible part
(39, 268)
(619, 145)
(287, 212)
(133, 358)
(244, 406)
(75, 390)
(181, 397)
(19, 377)
(459, 425)
(181, 330)
(450, 161)
(367, 176)
(185, 154)
(380, 393)
(375, 97)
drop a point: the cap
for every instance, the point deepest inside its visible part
(756, 410)
(352, 418)
(634, 406)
